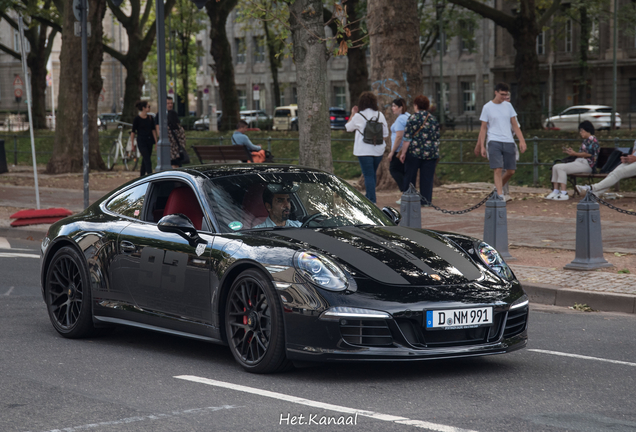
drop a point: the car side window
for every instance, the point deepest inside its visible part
(129, 203)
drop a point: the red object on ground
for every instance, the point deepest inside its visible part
(42, 216)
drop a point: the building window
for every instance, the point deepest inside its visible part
(632, 95)
(594, 42)
(541, 43)
(438, 96)
(438, 45)
(468, 39)
(241, 49)
(340, 94)
(16, 42)
(282, 97)
(242, 99)
(468, 91)
(259, 49)
(146, 91)
(295, 95)
(568, 36)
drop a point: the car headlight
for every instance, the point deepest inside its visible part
(520, 302)
(321, 271)
(494, 261)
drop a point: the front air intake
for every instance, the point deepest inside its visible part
(366, 332)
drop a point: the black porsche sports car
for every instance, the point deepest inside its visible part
(193, 252)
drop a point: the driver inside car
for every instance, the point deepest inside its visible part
(277, 201)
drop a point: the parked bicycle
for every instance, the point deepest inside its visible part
(127, 153)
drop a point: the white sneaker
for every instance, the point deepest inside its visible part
(561, 197)
(398, 202)
(507, 198)
(583, 190)
(551, 195)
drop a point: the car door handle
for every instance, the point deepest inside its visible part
(127, 246)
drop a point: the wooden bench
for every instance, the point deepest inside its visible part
(603, 155)
(222, 153)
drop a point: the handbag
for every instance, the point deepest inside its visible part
(184, 157)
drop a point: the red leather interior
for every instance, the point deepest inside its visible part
(254, 211)
(182, 200)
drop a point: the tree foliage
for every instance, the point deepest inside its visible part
(141, 30)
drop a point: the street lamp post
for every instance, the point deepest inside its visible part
(163, 145)
(440, 10)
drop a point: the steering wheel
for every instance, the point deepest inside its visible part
(311, 218)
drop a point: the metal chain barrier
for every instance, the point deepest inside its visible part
(613, 207)
(458, 212)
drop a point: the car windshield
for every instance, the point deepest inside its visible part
(317, 200)
(282, 113)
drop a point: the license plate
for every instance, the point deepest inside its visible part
(459, 318)
(340, 118)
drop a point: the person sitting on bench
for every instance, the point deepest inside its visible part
(239, 138)
(626, 169)
(584, 162)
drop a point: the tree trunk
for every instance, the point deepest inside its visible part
(396, 70)
(584, 90)
(524, 33)
(36, 61)
(357, 71)
(310, 55)
(68, 142)
(274, 63)
(223, 63)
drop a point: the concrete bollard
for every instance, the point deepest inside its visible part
(496, 226)
(411, 208)
(589, 242)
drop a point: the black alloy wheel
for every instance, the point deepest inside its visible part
(254, 324)
(67, 294)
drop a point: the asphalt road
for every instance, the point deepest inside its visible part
(578, 374)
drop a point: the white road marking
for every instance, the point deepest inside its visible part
(143, 418)
(4, 243)
(557, 353)
(322, 405)
(17, 255)
(9, 292)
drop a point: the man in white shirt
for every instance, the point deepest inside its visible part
(278, 205)
(498, 122)
(626, 169)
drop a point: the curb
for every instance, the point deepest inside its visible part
(26, 233)
(564, 297)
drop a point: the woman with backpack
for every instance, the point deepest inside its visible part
(420, 148)
(584, 162)
(370, 129)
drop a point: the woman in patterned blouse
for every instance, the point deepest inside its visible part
(584, 162)
(420, 148)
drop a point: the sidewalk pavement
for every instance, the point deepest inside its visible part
(601, 291)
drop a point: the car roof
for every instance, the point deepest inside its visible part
(590, 106)
(225, 170)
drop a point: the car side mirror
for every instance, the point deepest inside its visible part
(182, 225)
(393, 214)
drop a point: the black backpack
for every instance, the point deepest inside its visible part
(373, 131)
(613, 160)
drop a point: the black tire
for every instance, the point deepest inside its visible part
(549, 125)
(254, 324)
(67, 294)
(112, 154)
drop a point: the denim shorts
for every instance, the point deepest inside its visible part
(502, 155)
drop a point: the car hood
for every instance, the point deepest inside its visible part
(390, 255)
